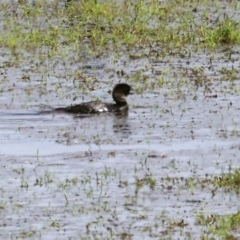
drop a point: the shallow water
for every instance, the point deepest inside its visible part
(72, 177)
(75, 177)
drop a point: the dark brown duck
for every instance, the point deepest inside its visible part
(119, 95)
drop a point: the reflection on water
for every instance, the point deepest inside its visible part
(121, 127)
(47, 133)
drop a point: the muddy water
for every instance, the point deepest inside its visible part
(67, 176)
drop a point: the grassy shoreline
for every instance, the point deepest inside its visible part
(105, 25)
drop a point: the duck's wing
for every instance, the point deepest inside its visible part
(87, 107)
(93, 107)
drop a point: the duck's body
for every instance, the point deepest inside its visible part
(119, 94)
(93, 107)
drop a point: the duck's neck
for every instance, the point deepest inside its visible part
(120, 104)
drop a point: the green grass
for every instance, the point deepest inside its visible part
(221, 226)
(229, 181)
(107, 25)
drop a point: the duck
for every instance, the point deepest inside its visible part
(119, 95)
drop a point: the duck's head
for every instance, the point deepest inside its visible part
(120, 93)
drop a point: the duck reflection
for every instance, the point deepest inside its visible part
(121, 127)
